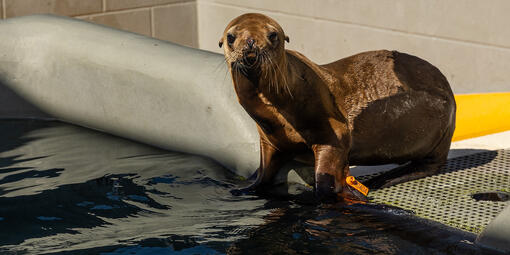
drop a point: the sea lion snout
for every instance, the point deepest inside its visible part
(251, 53)
(250, 58)
(250, 50)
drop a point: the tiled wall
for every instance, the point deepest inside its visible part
(468, 40)
(172, 20)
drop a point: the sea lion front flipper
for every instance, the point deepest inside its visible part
(331, 169)
(271, 160)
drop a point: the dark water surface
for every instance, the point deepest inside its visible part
(70, 190)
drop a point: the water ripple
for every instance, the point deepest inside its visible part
(70, 190)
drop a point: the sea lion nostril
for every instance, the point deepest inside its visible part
(250, 42)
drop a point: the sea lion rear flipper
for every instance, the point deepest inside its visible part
(409, 172)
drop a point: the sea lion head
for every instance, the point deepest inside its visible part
(253, 42)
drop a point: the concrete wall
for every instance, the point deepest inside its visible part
(172, 20)
(468, 40)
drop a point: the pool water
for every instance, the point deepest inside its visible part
(70, 190)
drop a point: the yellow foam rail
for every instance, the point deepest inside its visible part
(481, 114)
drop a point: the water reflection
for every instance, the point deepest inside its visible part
(70, 190)
(65, 188)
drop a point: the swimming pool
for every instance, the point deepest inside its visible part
(72, 190)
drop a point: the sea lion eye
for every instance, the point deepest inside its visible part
(273, 36)
(230, 39)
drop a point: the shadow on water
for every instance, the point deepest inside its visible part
(70, 190)
(11, 137)
(352, 229)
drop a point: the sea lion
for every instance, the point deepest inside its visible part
(372, 108)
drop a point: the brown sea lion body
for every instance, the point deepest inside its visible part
(371, 108)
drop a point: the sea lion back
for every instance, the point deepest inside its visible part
(398, 106)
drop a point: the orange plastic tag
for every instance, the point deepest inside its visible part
(351, 181)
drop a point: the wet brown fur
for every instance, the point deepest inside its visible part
(375, 107)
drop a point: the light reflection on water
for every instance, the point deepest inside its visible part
(66, 189)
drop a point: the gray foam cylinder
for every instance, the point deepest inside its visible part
(126, 84)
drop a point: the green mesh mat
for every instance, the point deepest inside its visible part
(447, 196)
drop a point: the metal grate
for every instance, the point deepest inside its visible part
(446, 197)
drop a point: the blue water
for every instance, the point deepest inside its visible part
(70, 190)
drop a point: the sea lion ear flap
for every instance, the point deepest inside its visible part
(287, 39)
(221, 42)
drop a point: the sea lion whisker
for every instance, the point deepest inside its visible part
(237, 73)
(270, 71)
(219, 65)
(274, 79)
(266, 73)
(265, 59)
(270, 75)
(284, 80)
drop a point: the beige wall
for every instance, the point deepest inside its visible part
(468, 40)
(172, 20)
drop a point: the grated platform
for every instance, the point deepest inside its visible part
(447, 196)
